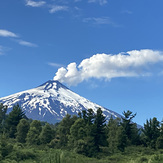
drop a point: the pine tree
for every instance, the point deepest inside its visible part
(5, 147)
(90, 117)
(46, 134)
(99, 126)
(81, 138)
(13, 119)
(130, 128)
(121, 138)
(112, 134)
(34, 132)
(151, 132)
(3, 110)
(22, 130)
(76, 132)
(63, 129)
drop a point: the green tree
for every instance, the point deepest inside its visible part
(100, 129)
(34, 132)
(81, 138)
(159, 142)
(151, 132)
(90, 117)
(3, 110)
(46, 134)
(77, 132)
(130, 128)
(63, 129)
(5, 147)
(22, 130)
(13, 119)
(113, 133)
(121, 138)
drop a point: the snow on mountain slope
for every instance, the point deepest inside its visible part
(51, 101)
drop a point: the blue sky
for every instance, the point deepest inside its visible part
(110, 51)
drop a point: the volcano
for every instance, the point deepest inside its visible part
(51, 101)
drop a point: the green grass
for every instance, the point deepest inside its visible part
(42, 154)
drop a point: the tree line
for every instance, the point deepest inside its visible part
(86, 134)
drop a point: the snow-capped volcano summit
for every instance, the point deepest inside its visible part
(51, 101)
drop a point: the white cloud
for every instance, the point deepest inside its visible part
(54, 64)
(35, 4)
(101, 2)
(56, 8)
(26, 43)
(100, 21)
(6, 33)
(107, 66)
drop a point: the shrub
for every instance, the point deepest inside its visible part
(143, 159)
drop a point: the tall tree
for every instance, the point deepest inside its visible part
(13, 119)
(121, 138)
(46, 134)
(99, 124)
(77, 132)
(63, 129)
(81, 138)
(5, 147)
(22, 130)
(34, 132)
(159, 142)
(3, 110)
(130, 128)
(90, 117)
(113, 134)
(151, 132)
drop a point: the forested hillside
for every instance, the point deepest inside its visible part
(83, 138)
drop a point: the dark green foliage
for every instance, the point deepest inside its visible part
(63, 129)
(80, 140)
(130, 128)
(113, 133)
(100, 126)
(13, 119)
(159, 142)
(121, 139)
(33, 133)
(5, 147)
(46, 134)
(151, 132)
(3, 110)
(77, 131)
(90, 117)
(85, 135)
(22, 130)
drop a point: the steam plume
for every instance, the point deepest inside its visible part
(130, 64)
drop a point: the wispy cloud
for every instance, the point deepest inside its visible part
(55, 64)
(26, 43)
(34, 3)
(56, 8)
(15, 37)
(6, 33)
(133, 63)
(100, 21)
(101, 2)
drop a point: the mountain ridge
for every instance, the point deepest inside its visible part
(51, 101)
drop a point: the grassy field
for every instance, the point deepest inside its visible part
(21, 154)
